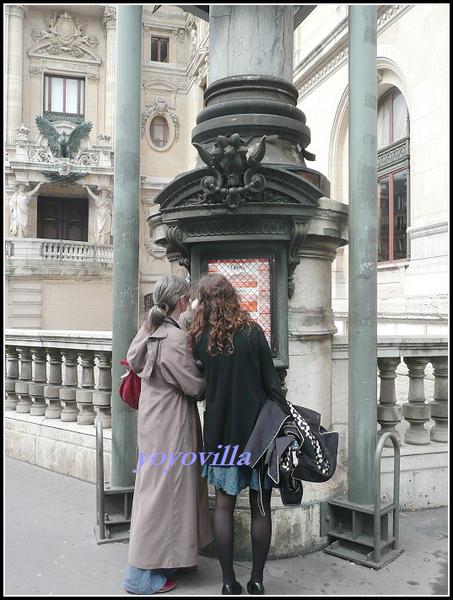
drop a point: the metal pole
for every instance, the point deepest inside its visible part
(100, 499)
(125, 232)
(362, 252)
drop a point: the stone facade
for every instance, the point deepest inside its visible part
(412, 46)
(79, 43)
(49, 40)
(66, 284)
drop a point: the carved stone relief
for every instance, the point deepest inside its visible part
(160, 108)
(64, 37)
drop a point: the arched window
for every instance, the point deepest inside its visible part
(159, 132)
(393, 176)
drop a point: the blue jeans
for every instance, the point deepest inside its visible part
(145, 581)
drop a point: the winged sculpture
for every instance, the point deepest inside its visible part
(62, 144)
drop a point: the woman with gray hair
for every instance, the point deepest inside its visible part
(170, 518)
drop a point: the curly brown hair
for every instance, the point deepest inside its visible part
(218, 307)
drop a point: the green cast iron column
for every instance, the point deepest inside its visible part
(125, 232)
(362, 252)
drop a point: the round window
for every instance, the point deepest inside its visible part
(159, 132)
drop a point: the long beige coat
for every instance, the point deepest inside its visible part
(170, 518)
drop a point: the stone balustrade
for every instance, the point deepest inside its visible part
(31, 251)
(67, 376)
(60, 375)
(412, 378)
(417, 411)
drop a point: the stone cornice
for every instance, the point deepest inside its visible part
(393, 155)
(332, 52)
(431, 229)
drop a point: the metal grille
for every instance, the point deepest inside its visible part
(149, 302)
(251, 278)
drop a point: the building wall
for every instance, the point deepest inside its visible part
(412, 55)
(80, 41)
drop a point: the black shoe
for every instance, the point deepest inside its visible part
(256, 589)
(232, 590)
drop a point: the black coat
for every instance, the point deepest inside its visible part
(237, 386)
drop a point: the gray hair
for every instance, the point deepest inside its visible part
(166, 295)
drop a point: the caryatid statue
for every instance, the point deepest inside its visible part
(20, 209)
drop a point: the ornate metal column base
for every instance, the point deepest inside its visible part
(113, 504)
(351, 527)
(361, 532)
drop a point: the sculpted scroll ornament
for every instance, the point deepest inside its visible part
(174, 237)
(233, 180)
(159, 107)
(64, 37)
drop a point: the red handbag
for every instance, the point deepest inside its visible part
(130, 387)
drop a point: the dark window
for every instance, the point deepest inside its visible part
(149, 302)
(159, 49)
(64, 95)
(393, 176)
(392, 198)
(63, 219)
(159, 132)
(392, 119)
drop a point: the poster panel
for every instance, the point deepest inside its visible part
(251, 277)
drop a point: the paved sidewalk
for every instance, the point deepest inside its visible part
(51, 550)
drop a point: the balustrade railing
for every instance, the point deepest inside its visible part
(67, 376)
(416, 410)
(57, 252)
(60, 375)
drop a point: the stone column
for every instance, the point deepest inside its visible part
(36, 388)
(388, 412)
(53, 387)
(250, 39)
(103, 395)
(439, 406)
(84, 396)
(269, 202)
(69, 389)
(12, 375)
(15, 63)
(109, 24)
(310, 318)
(416, 411)
(23, 384)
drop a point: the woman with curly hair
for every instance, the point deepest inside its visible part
(240, 376)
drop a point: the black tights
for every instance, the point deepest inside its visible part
(261, 531)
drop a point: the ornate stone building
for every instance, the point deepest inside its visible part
(58, 212)
(412, 47)
(58, 209)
